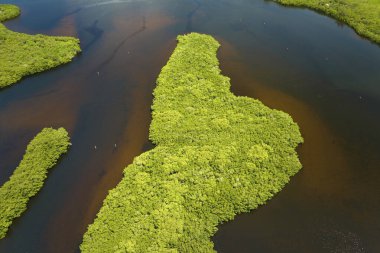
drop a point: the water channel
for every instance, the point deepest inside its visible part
(314, 68)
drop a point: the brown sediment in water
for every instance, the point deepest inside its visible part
(325, 175)
(135, 135)
(94, 187)
(321, 150)
(32, 112)
(132, 140)
(140, 68)
(154, 21)
(119, 40)
(66, 27)
(336, 189)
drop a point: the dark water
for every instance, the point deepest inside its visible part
(295, 60)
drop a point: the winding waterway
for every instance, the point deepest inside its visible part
(317, 70)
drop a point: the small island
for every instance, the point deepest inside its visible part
(41, 154)
(362, 16)
(216, 155)
(23, 54)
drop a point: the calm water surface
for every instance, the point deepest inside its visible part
(308, 65)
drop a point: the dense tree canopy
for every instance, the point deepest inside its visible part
(216, 155)
(23, 54)
(41, 154)
(362, 15)
(8, 11)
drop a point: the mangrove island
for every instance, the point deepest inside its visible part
(216, 155)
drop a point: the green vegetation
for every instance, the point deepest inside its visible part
(23, 54)
(362, 15)
(217, 155)
(8, 11)
(41, 154)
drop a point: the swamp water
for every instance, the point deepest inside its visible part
(317, 70)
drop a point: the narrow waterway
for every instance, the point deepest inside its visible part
(295, 60)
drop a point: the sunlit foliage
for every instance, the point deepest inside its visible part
(362, 15)
(41, 154)
(216, 155)
(23, 54)
(8, 11)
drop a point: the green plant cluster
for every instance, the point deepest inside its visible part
(8, 11)
(23, 54)
(362, 15)
(217, 155)
(41, 154)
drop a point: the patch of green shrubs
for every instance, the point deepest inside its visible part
(23, 54)
(41, 154)
(362, 15)
(216, 155)
(8, 11)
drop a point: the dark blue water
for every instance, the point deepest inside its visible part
(308, 65)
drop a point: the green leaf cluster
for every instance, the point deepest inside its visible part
(216, 155)
(362, 15)
(8, 11)
(41, 154)
(23, 54)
